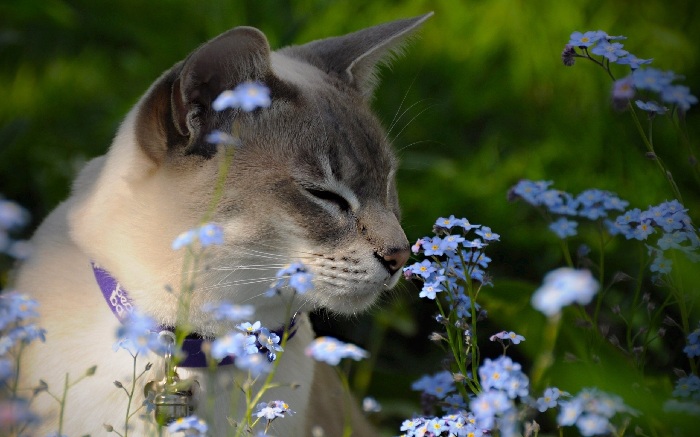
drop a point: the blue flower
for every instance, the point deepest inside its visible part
(247, 96)
(256, 364)
(652, 79)
(330, 350)
(487, 405)
(610, 51)
(219, 137)
(184, 239)
(250, 328)
(508, 335)
(228, 311)
(423, 269)
(660, 264)
(592, 424)
(138, 335)
(191, 425)
(633, 61)
(208, 234)
(548, 400)
(273, 410)
(370, 405)
(439, 385)
(679, 95)
(651, 107)
(529, 191)
(504, 374)
(643, 230)
(295, 276)
(430, 289)
(233, 344)
(692, 349)
(687, 387)
(12, 216)
(623, 89)
(433, 247)
(563, 287)
(587, 39)
(486, 233)
(563, 228)
(569, 412)
(269, 341)
(16, 307)
(301, 282)
(211, 234)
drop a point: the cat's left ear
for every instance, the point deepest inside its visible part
(355, 56)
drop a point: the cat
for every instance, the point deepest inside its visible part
(312, 181)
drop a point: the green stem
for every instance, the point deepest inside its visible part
(546, 357)
(347, 423)
(63, 405)
(650, 149)
(131, 396)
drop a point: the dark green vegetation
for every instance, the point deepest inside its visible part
(480, 101)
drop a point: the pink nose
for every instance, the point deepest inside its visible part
(394, 259)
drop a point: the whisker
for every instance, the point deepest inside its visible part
(414, 117)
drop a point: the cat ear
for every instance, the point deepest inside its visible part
(176, 112)
(356, 56)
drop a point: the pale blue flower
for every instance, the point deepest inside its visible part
(679, 95)
(228, 311)
(563, 228)
(233, 344)
(12, 216)
(256, 364)
(562, 287)
(633, 61)
(219, 137)
(331, 350)
(247, 96)
(191, 425)
(651, 107)
(439, 384)
(211, 234)
(184, 239)
(609, 50)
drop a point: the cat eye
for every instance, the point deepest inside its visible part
(331, 197)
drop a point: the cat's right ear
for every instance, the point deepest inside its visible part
(176, 115)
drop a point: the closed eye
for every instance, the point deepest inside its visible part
(330, 196)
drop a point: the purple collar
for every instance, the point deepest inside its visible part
(121, 305)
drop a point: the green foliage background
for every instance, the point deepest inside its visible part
(481, 100)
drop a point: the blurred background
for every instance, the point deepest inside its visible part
(480, 101)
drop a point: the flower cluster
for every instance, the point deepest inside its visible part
(562, 287)
(208, 234)
(12, 218)
(649, 80)
(16, 331)
(331, 350)
(592, 204)
(453, 259)
(253, 346)
(461, 424)
(670, 221)
(692, 348)
(590, 411)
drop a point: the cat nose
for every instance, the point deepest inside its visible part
(394, 259)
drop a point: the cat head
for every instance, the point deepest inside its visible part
(312, 179)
